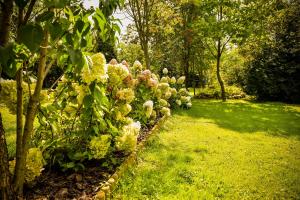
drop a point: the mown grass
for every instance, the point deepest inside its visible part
(232, 150)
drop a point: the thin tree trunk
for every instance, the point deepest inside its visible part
(219, 54)
(223, 94)
(30, 115)
(146, 54)
(7, 11)
(19, 81)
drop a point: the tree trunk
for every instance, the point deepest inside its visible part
(7, 11)
(223, 94)
(19, 146)
(146, 54)
(6, 192)
(30, 115)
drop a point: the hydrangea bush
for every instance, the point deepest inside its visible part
(100, 110)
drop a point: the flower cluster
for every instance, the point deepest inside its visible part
(128, 139)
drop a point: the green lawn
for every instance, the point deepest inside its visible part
(232, 150)
(9, 123)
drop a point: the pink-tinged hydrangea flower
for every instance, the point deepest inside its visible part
(181, 80)
(94, 68)
(117, 73)
(152, 83)
(148, 107)
(173, 80)
(126, 94)
(147, 73)
(165, 71)
(113, 62)
(154, 76)
(165, 111)
(137, 66)
(125, 63)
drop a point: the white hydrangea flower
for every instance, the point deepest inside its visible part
(163, 86)
(126, 94)
(163, 103)
(164, 80)
(189, 105)
(165, 111)
(168, 94)
(173, 80)
(178, 102)
(148, 106)
(181, 80)
(165, 71)
(137, 66)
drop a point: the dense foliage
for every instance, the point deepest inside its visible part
(100, 110)
(274, 73)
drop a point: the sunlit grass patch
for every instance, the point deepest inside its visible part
(251, 152)
(9, 123)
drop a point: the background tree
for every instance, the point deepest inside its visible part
(274, 72)
(140, 11)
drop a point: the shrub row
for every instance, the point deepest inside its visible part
(97, 113)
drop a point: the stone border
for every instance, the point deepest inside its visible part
(108, 187)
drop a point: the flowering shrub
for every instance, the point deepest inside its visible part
(101, 109)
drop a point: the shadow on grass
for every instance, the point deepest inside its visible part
(243, 116)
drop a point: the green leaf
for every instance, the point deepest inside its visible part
(57, 3)
(83, 42)
(69, 39)
(12, 69)
(76, 57)
(6, 53)
(55, 30)
(88, 101)
(79, 25)
(32, 36)
(45, 16)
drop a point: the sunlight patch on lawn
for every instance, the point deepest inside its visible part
(196, 156)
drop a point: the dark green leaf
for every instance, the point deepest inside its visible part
(21, 3)
(45, 16)
(55, 30)
(57, 3)
(76, 57)
(79, 25)
(32, 36)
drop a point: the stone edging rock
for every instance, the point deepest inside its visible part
(106, 189)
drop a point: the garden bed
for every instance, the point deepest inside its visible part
(93, 182)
